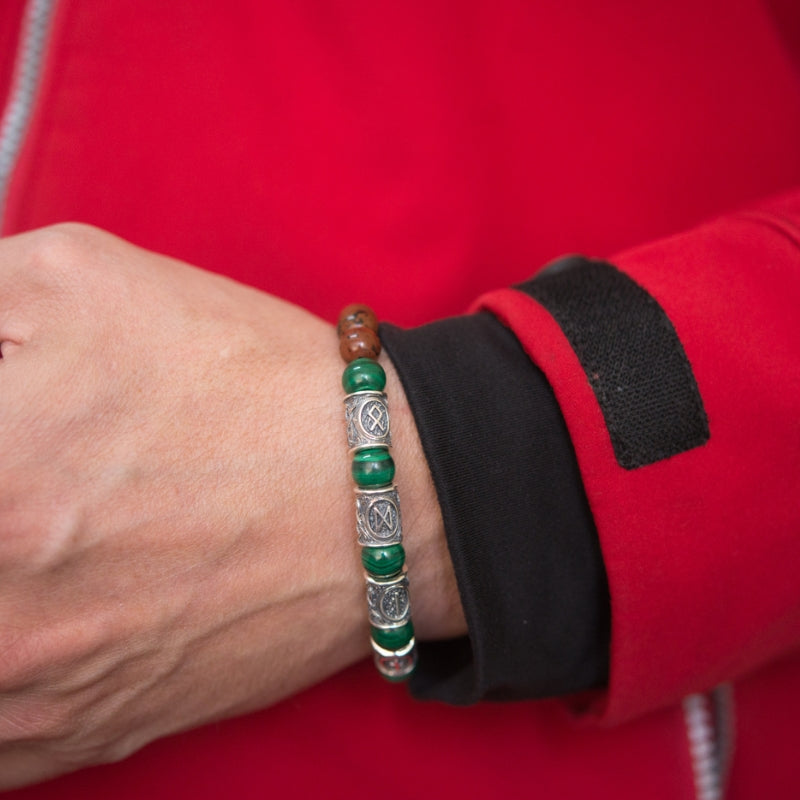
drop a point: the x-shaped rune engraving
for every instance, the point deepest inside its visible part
(375, 418)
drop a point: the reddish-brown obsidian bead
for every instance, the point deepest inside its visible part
(357, 315)
(359, 342)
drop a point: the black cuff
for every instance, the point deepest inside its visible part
(519, 529)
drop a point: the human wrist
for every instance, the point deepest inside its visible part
(437, 606)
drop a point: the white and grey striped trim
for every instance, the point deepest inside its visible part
(17, 114)
(710, 730)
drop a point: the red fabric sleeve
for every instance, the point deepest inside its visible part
(702, 548)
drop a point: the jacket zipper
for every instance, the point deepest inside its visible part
(27, 73)
(709, 728)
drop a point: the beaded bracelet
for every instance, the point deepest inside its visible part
(378, 523)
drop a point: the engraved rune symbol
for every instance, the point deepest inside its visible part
(350, 421)
(382, 517)
(394, 603)
(375, 418)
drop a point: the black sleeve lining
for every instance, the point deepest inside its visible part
(519, 529)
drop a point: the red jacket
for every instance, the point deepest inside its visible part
(307, 149)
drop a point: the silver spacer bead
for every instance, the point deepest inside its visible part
(367, 418)
(395, 664)
(388, 602)
(378, 521)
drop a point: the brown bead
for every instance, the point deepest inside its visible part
(359, 342)
(357, 315)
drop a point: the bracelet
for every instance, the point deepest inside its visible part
(378, 522)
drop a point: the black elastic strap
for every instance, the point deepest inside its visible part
(631, 355)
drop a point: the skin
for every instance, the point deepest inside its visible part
(176, 517)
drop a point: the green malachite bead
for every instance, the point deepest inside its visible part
(362, 375)
(383, 562)
(393, 638)
(373, 467)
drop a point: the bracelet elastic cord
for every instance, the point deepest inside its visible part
(378, 522)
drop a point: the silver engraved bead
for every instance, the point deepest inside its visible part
(378, 521)
(395, 664)
(388, 602)
(367, 418)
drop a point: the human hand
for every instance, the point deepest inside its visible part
(176, 521)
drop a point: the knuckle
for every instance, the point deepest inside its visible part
(52, 249)
(63, 246)
(73, 232)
